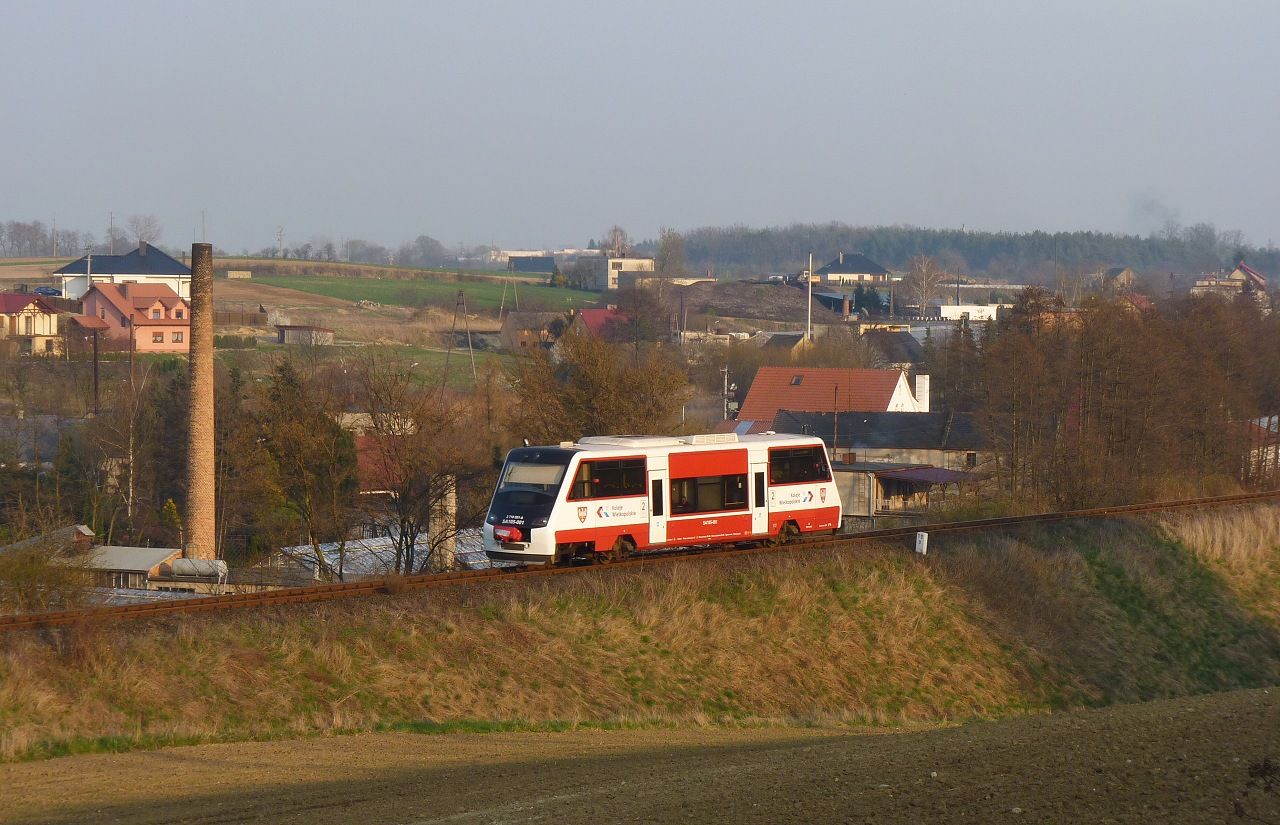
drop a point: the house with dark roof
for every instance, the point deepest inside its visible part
(851, 268)
(530, 331)
(144, 265)
(827, 389)
(28, 324)
(937, 439)
(145, 317)
(894, 349)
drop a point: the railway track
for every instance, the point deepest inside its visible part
(426, 581)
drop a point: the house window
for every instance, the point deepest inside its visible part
(155, 315)
(617, 265)
(157, 337)
(177, 338)
(971, 459)
(27, 325)
(102, 313)
(177, 313)
(796, 380)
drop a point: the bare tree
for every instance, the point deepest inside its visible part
(144, 228)
(924, 280)
(670, 258)
(617, 242)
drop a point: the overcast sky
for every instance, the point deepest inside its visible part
(542, 123)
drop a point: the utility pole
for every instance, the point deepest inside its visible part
(809, 322)
(111, 233)
(724, 394)
(280, 241)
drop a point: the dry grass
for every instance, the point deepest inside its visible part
(1242, 545)
(986, 628)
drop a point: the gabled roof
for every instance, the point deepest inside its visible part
(14, 302)
(895, 347)
(598, 321)
(852, 263)
(129, 298)
(783, 340)
(888, 430)
(89, 322)
(816, 389)
(145, 260)
(129, 559)
(531, 320)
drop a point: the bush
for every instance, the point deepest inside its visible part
(235, 342)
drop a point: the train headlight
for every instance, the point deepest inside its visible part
(540, 521)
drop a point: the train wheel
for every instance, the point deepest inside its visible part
(787, 533)
(622, 547)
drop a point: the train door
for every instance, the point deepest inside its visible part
(658, 504)
(759, 501)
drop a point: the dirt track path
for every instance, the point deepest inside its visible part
(1175, 761)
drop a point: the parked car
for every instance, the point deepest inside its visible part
(48, 291)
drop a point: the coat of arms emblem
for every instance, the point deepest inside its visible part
(582, 514)
(823, 495)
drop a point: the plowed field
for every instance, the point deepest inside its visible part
(1185, 760)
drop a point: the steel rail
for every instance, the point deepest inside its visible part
(424, 581)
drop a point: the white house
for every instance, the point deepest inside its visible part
(144, 265)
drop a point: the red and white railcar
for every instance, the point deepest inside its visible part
(613, 495)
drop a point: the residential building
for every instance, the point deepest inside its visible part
(896, 349)
(937, 439)
(1242, 279)
(529, 331)
(145, 317)
(144, 265)
(827, 389)
(969, 312)
(851, 268)
(28, 324)
(598, 323)
(606, 273)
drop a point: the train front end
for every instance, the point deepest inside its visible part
(520, 524)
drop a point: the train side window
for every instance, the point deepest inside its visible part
(708, 494)
(797, 465)
(759, 490)
(655, 506)
(609, 478)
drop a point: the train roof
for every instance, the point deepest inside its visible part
(647, 442)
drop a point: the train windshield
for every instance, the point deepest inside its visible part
(530, 480)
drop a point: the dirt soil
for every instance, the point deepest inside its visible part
(1183, 760)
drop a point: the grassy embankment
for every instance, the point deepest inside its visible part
(482, 295)
(1024, 621)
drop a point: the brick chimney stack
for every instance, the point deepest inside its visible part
(199, 529)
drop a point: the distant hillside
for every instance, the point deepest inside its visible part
(1029, 256)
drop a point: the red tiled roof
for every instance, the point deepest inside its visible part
(597, 321)
(13, 302)
(818, 389)
(89, 322)
(130, 298)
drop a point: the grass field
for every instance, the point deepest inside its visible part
(1002, 624)
(481, 296)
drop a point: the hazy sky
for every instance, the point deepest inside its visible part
(542, 123)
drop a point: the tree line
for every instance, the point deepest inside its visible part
(1110, 404)
(1034, 257)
